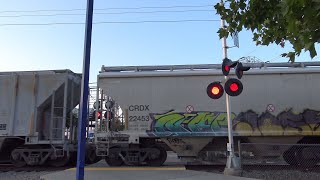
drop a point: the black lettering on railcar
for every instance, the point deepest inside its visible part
(139, 118)
(139, 108)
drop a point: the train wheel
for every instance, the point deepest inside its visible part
(307, 157)
(17, 160)
(113, 159)
(73, 159)
(290, 156)
(60, 161)
(91, 156)
(159, 159)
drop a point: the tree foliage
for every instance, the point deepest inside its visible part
(275, 21)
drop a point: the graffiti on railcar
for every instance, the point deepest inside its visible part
(195, 123)
(247, 123)
(174, 141)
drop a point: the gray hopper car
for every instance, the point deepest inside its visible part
(37, 125)
(279, 104)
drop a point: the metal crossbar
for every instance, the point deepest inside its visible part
(204, 67)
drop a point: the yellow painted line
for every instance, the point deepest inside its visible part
(131, 169)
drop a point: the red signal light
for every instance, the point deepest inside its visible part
(93, 115)
(215, 90)
(226, 65)
(233, 87)
(227, 68)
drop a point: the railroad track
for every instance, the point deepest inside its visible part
(207, 168)
(253, 167)
(10, 167)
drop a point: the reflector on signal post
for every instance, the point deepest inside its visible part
(226, 65)
(215, 90)
(233, 87)
(240, 68)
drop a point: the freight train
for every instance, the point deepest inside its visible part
(141, 112)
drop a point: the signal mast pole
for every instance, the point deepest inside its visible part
(84, 93)
(233, 166)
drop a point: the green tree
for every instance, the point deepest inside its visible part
(275, 21)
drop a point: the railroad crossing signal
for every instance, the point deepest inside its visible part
(239, 69)
(215, 90)
(227, 64)
(233, 87)
(92, 115)
(108, 115)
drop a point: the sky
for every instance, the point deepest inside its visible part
(26, 47)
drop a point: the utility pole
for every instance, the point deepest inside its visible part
(84, 93)
(233, 166)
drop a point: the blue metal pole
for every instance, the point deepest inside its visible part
(84, 93)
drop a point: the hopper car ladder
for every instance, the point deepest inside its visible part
(57, 133)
